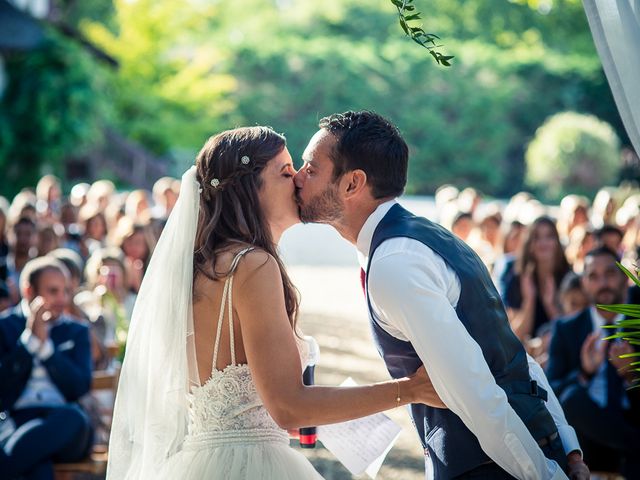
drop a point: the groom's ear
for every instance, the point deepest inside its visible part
(356, 182)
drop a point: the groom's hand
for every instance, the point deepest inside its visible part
(426, 393)
(578, 470)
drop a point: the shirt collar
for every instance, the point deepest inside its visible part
(363, 243)
(599, 320)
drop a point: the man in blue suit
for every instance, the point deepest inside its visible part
(589, 377)
(45, 367)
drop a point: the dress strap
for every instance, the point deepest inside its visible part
(220, 319)
(236, 259)
(227, 298)
(232, 342)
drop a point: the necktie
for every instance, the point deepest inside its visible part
(363, 280)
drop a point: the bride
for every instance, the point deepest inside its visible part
(212, 375)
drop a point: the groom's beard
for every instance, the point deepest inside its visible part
(326, 207)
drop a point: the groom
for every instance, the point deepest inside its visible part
(432, 302)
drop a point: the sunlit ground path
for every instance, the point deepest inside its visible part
(333, 311)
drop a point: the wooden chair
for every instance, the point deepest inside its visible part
(96, 463)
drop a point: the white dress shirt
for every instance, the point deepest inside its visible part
(414, 294)
(40, 391)
(598, 388)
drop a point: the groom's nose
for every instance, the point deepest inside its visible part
(298, 178)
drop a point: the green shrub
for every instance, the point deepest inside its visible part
(572, 153)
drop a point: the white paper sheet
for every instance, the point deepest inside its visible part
(361, 445)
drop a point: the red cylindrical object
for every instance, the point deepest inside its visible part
(308, 441)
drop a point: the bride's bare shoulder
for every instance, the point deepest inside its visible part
(257, 263)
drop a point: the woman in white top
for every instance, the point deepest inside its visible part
(212, 377)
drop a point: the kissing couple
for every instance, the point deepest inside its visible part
(212, 376)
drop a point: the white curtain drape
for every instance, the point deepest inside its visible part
(615, 26)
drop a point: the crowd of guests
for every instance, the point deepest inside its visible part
(71, 266)
(70, 270)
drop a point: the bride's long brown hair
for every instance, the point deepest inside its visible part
(228, 170)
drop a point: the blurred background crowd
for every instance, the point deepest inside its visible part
(104, 238)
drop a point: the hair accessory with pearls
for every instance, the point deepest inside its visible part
(245, 160)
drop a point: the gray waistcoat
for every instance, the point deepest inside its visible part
(453, 448)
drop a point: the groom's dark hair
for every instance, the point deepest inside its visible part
(369, 142)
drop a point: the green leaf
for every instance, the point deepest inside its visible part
(630, 355)
(417, 34)
(629, 274)
(630, 310)
(404, 26)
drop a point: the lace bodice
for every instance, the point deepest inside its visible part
(228, 402)
(227, 408)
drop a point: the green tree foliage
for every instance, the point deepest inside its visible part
(190, 68)
(168, 91)
(298, 61)
(441, 123)
(573, 153)
(49, 111)
(407, 15)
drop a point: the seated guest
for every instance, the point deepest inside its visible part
(107, 300)
(48, 194)
(486, 239)
(604, 207)
(573, 299)
(74, 309)
(589, 377)
(75, 266)
(574, 212)
(511, 244)
(22, 243)
(48, 238)
(611, 237)
(93, 224)
(581, 241)
(462, 225)
(531, 294)
(45, 367)
(165, 195)
(135, 242)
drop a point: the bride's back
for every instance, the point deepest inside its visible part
(207, 302)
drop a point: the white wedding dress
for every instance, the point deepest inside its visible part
(231, 435)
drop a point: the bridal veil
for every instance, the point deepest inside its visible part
(151, 407)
